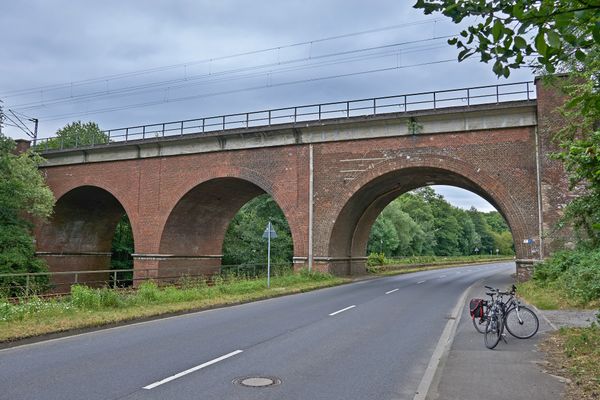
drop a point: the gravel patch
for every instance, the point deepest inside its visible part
(571, 318)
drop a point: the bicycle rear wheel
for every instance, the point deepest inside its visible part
(480, 324)
(523, 324)
(493, 332)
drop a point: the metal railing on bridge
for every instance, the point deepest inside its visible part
(301, 114)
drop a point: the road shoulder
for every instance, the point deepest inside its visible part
(514, 370)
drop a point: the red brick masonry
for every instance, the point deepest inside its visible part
(180, 205)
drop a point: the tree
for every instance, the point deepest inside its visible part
(76, 134)
(469, 239)
(483, 230)
(23, 196)
(407, 237)
(420, 211)
(383, 238)
(495, 221)
(244, 244)
(122, 248)
(550, 36)
(422, 222)
(580, 143)
(511, 33)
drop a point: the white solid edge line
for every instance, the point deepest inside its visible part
(342, 310)
(189, 371)
(544, 316)
(392, 291)
(418, 283)
(443, 346)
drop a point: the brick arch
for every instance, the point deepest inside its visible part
(118, 191)
(79, 234)
(366, 196)
(179, 185)
(194, 230)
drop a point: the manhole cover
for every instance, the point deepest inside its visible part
(257, 381)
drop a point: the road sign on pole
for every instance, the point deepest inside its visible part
(268, 234)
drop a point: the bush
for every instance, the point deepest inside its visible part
(376, 259)
(552, 269)
(577, 273)
(582, 280)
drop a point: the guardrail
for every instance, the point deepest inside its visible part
(293, 115)
(52, 284)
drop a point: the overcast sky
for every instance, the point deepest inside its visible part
(124, 63)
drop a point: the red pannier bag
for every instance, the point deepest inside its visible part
(476, 308)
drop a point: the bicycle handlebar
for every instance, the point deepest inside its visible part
(512, 291)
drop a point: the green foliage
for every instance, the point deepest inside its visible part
(89, 300)
(422, 223)
(384, 237)
(577, 273)
(31, 308)
(376, 259)
(23, 196)
(76, 134)
(22, 187)
(512, 34)
(86, 298)
(495, 221)
(244, 244)
(122, 248)
(148, 292)
(580, 143)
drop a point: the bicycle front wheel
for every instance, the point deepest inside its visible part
(493, 332)
(523, 323)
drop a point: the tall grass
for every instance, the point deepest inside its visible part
(85, 299)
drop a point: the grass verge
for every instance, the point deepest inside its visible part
(574, 353)
(399, 269)
(87, 308)
(552, 297)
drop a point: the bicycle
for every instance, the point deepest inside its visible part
(494, 328)
(520, 321)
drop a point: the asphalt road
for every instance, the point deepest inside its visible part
(371, 339)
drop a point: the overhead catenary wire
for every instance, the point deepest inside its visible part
(295, 82)
(223, 76)
(107, 78)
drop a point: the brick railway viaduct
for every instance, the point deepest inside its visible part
(330, 176)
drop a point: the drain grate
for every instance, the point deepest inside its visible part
(257, 381)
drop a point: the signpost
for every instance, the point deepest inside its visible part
(268, 234)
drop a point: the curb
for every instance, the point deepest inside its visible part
(443, 346)
(540, 312)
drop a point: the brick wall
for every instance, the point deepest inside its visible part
(180, 206)
(555, 194)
